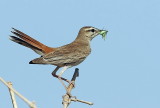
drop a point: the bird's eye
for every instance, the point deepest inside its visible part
(92, 30)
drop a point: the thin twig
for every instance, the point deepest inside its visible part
(31, 104)
(77, 100)
(67, 96)
(12, 96)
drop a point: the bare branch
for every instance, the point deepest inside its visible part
(31, 104)
(12, 96)
(77, 100)
(67, 98)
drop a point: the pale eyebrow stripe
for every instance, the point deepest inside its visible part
(89, 28)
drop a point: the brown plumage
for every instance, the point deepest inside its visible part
(65, 56)
(29, 42)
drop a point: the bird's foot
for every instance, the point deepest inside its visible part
(61, 78)
(72, 83)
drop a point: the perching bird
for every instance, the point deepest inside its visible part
(65, 56)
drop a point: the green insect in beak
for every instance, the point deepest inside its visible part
(103, 33)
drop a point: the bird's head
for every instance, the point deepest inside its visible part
(89, 33)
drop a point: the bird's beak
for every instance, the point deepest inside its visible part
(103, 33)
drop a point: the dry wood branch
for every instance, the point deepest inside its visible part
(31, 104)
(82, 101)
(67, 98)
(12, 96)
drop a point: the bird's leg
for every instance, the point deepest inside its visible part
(60, 74)
(57, 76)
(63, 70)
(60, 78)
(55, 70)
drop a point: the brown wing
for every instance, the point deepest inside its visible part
(65, 55)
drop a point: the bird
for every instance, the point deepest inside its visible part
(65, 56)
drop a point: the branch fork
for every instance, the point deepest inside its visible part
(68, 98)
(12, 91)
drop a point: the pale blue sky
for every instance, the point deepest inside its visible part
(121, 72)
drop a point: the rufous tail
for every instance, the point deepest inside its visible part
(29, 42)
